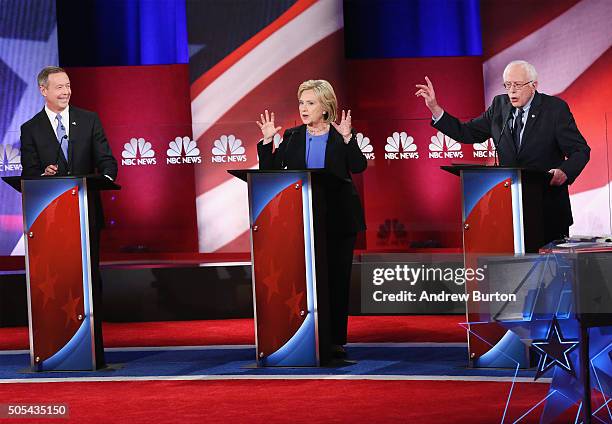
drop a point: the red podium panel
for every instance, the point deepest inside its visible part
(55, 270)
(287, 210)
(501, 215)
(58, 270)
(280, 273)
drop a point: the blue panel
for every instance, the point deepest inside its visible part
(265, 186)
(509, 352)
(123, 33)
(39, 193)
(412, 28)
(299, 351)
(76, 355)
(477, 183)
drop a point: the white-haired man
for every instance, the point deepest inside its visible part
(530, 130)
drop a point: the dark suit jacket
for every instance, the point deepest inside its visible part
(88, 148)
(550, 140)
(345, 213)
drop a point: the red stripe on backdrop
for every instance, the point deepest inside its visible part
(209, 76)
(507, 22)
(589, 110)
(296, 401)
(155, 210)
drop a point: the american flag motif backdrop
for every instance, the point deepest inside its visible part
(247, 57)
(569, 44)
(28, 41)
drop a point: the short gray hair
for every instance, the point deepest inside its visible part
(528, 67)
(43, 75)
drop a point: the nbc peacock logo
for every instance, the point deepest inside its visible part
(444, 147)
(183, 150)
(138, 151)
(10, 159)
(365, 146)
(486, 149)
(401, 146)
(228, 148)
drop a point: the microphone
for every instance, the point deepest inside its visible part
(505, 124)
(290, 134)
(59, 149)
(70, 145)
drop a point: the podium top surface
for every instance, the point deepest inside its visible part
(242, 173)
(97, 182)
(456, 168)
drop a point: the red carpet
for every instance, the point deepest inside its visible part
(266, 401)
(415, 328)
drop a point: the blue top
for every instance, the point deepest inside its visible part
(315, 150)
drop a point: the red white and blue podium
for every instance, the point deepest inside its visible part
(287, 221)
(56, 220)
(501, 215)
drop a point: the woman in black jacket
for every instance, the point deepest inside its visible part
(320, 143)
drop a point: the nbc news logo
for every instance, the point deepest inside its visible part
(401, 146)
(10, 159)
(183, 150)
(485, 149)
(138, 152)
(228, 148)
(365, 146)
(444, 147)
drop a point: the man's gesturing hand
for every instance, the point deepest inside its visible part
(428, 93)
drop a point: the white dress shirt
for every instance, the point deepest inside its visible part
(65, 118)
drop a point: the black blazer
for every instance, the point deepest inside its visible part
(550, 140)
(88, 148)
(345, 213)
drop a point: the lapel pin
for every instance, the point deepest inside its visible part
(74, 123)
(533, 116)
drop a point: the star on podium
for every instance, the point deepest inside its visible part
(554, 350)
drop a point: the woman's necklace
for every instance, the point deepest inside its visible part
(318, 131)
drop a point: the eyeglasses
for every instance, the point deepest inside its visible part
(516, 85)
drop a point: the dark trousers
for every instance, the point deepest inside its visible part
(340, 261)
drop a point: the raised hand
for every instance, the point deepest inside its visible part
(344, 127)
(427, 92)
(267, 127)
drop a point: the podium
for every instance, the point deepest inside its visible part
(57, 221)
(287, 212)
(502, 214)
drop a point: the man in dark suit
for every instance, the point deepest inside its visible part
(530, 130)
(65, 140)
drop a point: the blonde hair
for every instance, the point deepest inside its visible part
(325, 94)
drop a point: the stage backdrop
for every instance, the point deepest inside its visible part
(274, 46)
(569, 42)
(28, 41)
(176, 128)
